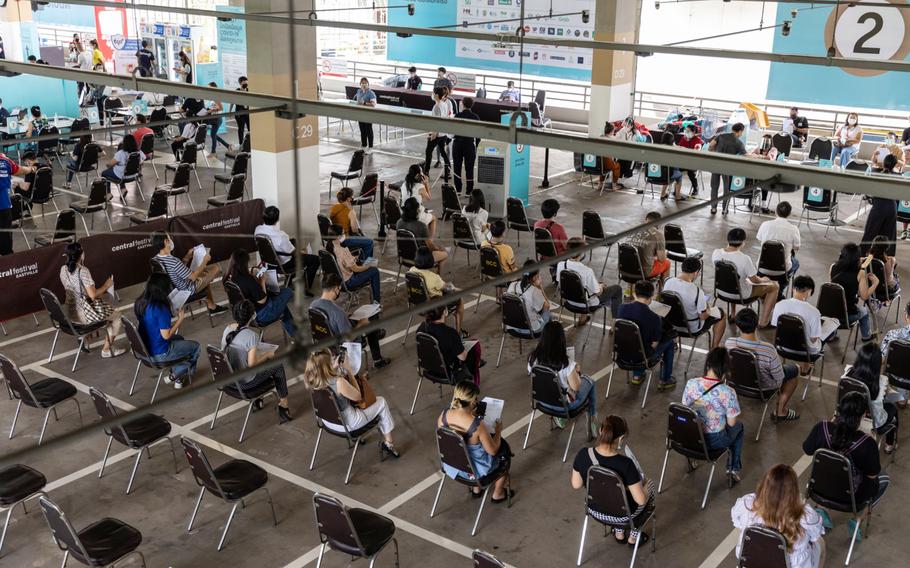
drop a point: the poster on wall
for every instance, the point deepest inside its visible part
(552, 61)
(867, 29)
(232, 48)
(109, 22)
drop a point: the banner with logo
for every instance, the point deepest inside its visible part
(23, 274)
(222, 229)
(123, 254)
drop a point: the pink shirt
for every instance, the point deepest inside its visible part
(557, 231)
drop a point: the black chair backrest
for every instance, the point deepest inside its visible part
(181, 176)
(450, 200)
(484, 559)
(135, 339)
(490, 263)
(685, 432)
(676, 317)
(832, 303)
(897, 364)
(883, 290)
(545, 388)
(369, 187)
(676, 242)
(541, 99)
(824, 203)
(64, 534)
(744, 373)
(221, 366)
(235, 189)
(481, 93)
(630, 268)
(319, 324)
(430, 363)
(782, 142)
(461, 229)
(16, 381)
(97, 194)
(201, 131)
(17, 209)
(106, 411)
(417, 288)
(847, 385)
(241, 162)
(325, 406)
(592, 227)
(606, 492)
(91, 153)
(535, 112)
(820, 149)
(392, 211)
(325, 225)
(157, 205)
(857, 166)
(628, 349)
(453, 450)
(233, 291)
(571, 289)
(201, 468)
(773, 257)
(58, 317)
(112, 103)
(763, 547)
(158, 115)
(79, 125)
(43, 185)
(65, 227)
(334, 525)
(726, 280)
(544, 246)
(45, 146)
(189, 153)
(147, 145)
(514, 313)
(247, 143)
(329, 265)
(831, 480)
(407, 245)
(266, 250)
(356, 163)
(790, 335)
(516, 215)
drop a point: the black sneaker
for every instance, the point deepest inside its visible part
(669, 385)
(380, 363)
(284, 414)
(217, 310)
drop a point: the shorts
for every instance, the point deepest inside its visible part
(759, 290)
(206, 278)
(659, 268)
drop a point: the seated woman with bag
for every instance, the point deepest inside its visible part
(242, 348)
(463, 363)
(356, 400)
(487, 451)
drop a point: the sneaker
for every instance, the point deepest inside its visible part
(180, 383)
(367, 151)
(904, 234)
(637, 379)
(217, 310)
(114, 352)
(380, 363)
(669, 385)
(168, 378)
(560, 422)
(437, 164)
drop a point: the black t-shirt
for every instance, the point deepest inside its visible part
(414, 83)
(850, 282)
(192, 106)
(863, 456)
(250, 287)
(241, 107)
(449, 341)
(905, 137)
(467, 114)
(145, 58)
(620, 464)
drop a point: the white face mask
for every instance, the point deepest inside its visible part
(851, 121)
(364, 86)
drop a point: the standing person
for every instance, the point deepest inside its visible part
(216, 108)
(184, 68)
(847, 140)
(439, 140)
(859, 284)
(778, 504)
(365, 97)
(716, 404)
(414, 81)
(442, 80)
(783, 231)
(84, 62)
(243, 120)
(727, 143)
(464, 148)
(882, 219)
(98, 62)
(797, 127)
(8, 169)
(145, 59)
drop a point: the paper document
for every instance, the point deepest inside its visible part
(111, 290)
(494, 412)
(714, 312)
(178, 298)
(469, 344)
(629, 454)
(829, 327)
(570, 351)
(199, 253)
(271, 281)
(365, 311)
(353, 355)
(660, 309)
(263, 346)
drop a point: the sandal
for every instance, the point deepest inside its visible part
(643, 538)
(509, 495)
(620, 539)
(790, 415)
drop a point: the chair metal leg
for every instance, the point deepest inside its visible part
(407, 329)
(78, 353)
(66, 555)
(135, 378)
(249, 409)
(15, 418)
(610, 380)
(44, 426)
(189, 527)
(321, 552)
(502, 342)
(565, 454)
(644, 399)
(483, 501)
(9, 513)
(227, 526)
(217, 406)
(528, 433)
(129, 485)
(271, 504)
(442, 480)
(852, 541)
(315, 449)
(581, 545)
(663, 470)
(107, 452)
(704, 499)
(416, 393)
(157, 384)
(762, 421)
(53, 346)
(347, 477)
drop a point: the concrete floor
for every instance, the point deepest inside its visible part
(545, 505)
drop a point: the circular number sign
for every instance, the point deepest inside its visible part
(863, 31)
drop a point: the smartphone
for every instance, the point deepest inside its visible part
(481, 409)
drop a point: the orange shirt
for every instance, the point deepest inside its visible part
(341, 215)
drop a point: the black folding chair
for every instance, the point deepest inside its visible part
(628, 352)
(416, 288)
(483, 559)
(329, 265)
(98, 202)
(897, 364)
(62, 323)
(820, 149)
(88, 162)
(356, 532)
(832, 303)
(367, 195)
(629, 264)
(234, 193)
(782, 142)
(490, 269)
(180, 185)
(727, 287)
(549, 398)
(238, 168)
(575, 298)
(328, 411)
(463, 236)
(791, 343)
(157, 209)
(187, 157)
(515, 322)
(18, 484)
(431, 365)
(819, 200)
(592, 230)
(745, 379)
(763, 547)
(147, 147)
(221, 367)
(544, 247)
(677, 251)
(46, 394)
(517, 218)
(354, 171)
(884, 293)
(677, 318)
(143, 358)
(64, 230)
(450, 202)
(235, 296)
(772, 262)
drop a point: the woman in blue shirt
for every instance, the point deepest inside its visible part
(164, 344)
(365, 97)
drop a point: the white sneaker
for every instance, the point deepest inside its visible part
(180, 383)
(114, 352)
(367, 151)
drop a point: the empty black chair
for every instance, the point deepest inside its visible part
(18, 484)
(820, 149)
(727, 287)
(238, 168)
(575, 298)
(180, 185)
(202, 131)
(831, 486)
(188, 157)
(763, 547)
(98, 202)
(328, 411)
(548, 395)
(782, 142)
(744, 378)
(47, 149)
(221, 367)
(655, 174)
(819, 200)
(592, 230)
(832, 303)
(463, 236)
(231, 482)
(772, 262)
(147, 147)
(515, 322)
(453, 452)
(157, 208)
(791, 343)
(517, 218)
(676, 317)
(355, 532)
(88, 162)
(628, 352)
(111, 117)
(897, 364)
(62, 322)
(538, 120)
(606, 493)
(391, 213)
(234, 193)
(431, 366)
(354, 171)
(64, 230)
(450, 202)
(677, 251)
(686, 436)
(42, 190)
(16, 221)
(367, 195)
(101, 543)
(629, 264)
(245, 147)
(325, 228)
(483, 559)
(140, 352)
(490, 269)
(481, 93)
(138, 433)
(45, 394)
(158, 115)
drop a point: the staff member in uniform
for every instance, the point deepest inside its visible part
(365, 97)
(145, 59)
(464, 149)
(882, 218)
(243, 120)
(414, 81)
(8, 169)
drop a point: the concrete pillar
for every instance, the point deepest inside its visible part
(269, 71)
(17, 28)
(613, 72)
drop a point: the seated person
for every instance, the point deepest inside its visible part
(764, 151)
(658, 346)
(597, 292)
(771, 374)
(779, 505)
(416, 184)
(242, 348)
(652, 248)
(285, 247)
(153, 310)
(609, 164)
(269, 307)
(141, 129)
(327, 371)
(87, 303)
(842, 435)
(530, 288)
(179, 273)
(866, 369)
(675, 178)
(511, 94)
(497, 241)
(117, 166)
(751, 285)
(818, 329)
(24, 188)
(410, 221)
(343, 215)
(187, 134)
(339, 324)
(549, 208)
(37, 122)
(436, 286)
(607, 453)
(852, 272)
(716, 404)
(354, 275)
(695, 302)
(551, 352)
(75, 160)
(692, 141)
(488, 452)
(463, 362)
(476, 214)
(783, 231)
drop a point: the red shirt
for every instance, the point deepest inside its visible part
(140, 132)
(690, 143)
(557, 231)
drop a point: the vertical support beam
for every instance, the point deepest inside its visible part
(613, 72)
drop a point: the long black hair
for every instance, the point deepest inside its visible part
(850, 411)
(240, 264)
(129, 144)
(551, 349)
(410, 211)
(412, 178)
(476, 202)
(867, 367)
(73, 255)
(849, 259)
(157, 288)
(243, 313)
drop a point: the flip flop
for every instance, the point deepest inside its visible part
(790, 415)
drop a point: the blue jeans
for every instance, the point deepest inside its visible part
(586, 392)
(215, 125)
(365, 244)
(730, 437)
(109, 175)
(275, 308)
(862, 315)
(71, 168)
(178, 348)
(846, 154)
(794, 265)
(666, 349)
(370, 275)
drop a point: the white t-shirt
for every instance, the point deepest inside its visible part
(744, 267)
(693, 300)
(780, 230)
(477, 221)
(534, 301)
(189, 131)
(806, 550)
(812, 319)
(443, 109)
(588, 280)
(85, 60)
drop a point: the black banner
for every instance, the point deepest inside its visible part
(21, 276)
(123, 254)
(222, 229)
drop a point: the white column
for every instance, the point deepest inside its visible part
(613, 72)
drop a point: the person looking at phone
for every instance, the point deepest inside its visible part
(270, 307)
(851, 271)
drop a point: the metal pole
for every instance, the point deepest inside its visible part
(382, 233)
(546, 168)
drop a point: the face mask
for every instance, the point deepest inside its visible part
(364, 86)
(851, 121)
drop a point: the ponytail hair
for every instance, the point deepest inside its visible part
(465, 395)
(73, 255)
(611, 429)
(243, 313)
(527, 275)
